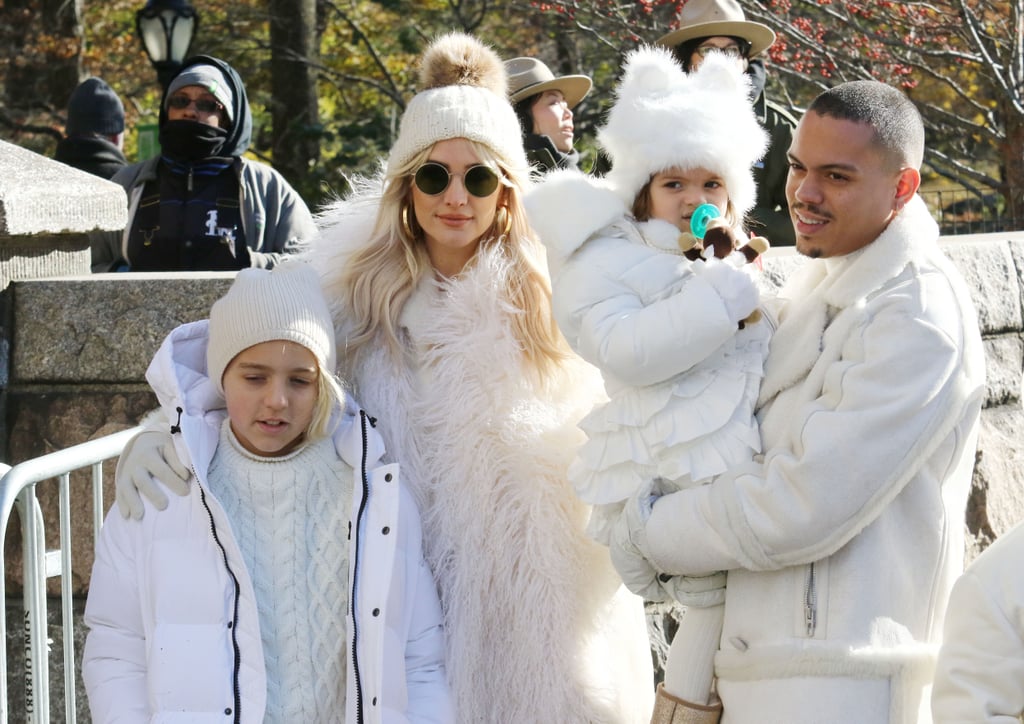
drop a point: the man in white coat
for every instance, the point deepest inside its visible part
(843, 540)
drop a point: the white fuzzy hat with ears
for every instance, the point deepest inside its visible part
(462, 94)
(665, 118)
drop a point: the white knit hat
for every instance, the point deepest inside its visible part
(665, 118)
(462, 95)
(263, 305)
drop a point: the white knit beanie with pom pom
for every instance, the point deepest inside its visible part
(462, 95)
(665, 118)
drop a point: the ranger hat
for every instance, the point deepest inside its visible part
(707, 18)
(529, 77)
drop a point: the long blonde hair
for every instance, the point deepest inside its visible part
(380, 277)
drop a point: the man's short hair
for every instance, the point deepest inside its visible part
(899, 130)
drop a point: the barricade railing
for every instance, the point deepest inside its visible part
(18, 488)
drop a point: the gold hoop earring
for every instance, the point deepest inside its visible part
(503, 219)
(407, 223)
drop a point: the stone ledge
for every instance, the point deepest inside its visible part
(103, 327)
(42, 196)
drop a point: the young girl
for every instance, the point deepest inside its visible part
(289, 584)
(681, 376)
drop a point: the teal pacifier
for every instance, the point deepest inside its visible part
(702, 216)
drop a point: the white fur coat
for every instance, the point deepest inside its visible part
(539, 627)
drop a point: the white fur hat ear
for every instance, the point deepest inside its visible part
(718, 73)
(648, 74)
(664, 118)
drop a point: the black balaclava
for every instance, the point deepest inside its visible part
(190, 141)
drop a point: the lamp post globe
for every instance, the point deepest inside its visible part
(166, 29)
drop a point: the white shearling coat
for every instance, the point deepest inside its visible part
(174, 632)
(539, 627)
(843, 544)
(980, 673)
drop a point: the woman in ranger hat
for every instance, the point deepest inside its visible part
(544, 105)
(707, 26)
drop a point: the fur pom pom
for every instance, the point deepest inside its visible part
(460, 59)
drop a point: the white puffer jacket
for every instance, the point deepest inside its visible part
(174, 633)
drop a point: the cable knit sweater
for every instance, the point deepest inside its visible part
(291, 531)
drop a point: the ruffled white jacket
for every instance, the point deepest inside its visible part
(538, 624)
(682, 381)
(174, 632)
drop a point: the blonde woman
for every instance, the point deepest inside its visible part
(442, 305)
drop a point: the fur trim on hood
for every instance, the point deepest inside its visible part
(566, 208)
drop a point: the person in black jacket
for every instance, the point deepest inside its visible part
(201, 205)
(707, 26)
(94, 133)
(544, 103)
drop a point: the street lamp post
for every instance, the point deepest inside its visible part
(166, 28)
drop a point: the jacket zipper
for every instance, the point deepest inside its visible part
(354, 547)
(810, 603)
(234, 622)
(190, 172)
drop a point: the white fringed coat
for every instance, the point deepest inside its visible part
(539, 627)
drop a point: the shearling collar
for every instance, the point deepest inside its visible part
(821, 288)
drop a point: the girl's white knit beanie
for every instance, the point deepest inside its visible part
(264, 305)
(462, 94)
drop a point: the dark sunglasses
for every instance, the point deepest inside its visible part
(203, 105)
(433, 178)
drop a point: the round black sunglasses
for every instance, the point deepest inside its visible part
(432, 178)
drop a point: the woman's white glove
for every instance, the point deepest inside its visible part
(148, 457)
(736, 288)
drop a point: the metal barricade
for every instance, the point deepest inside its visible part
(18, 487)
